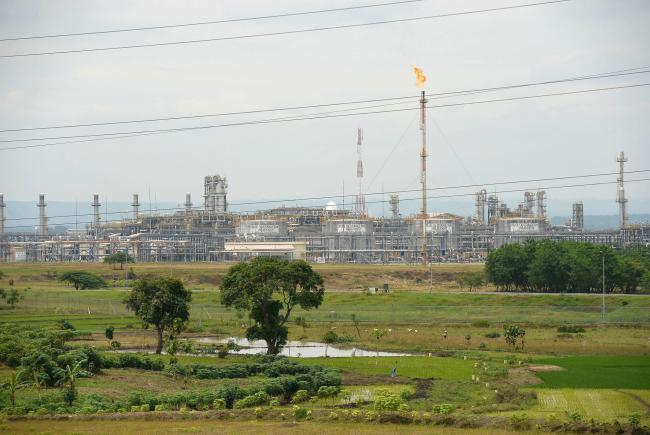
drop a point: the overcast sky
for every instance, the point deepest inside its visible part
(478, 144)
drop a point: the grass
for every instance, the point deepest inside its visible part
(599, 404)
(598, 372)
(205, 426)
(413, 366)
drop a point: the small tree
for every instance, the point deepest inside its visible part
(378, 334)
(118, 258)
(330, 337)
(468, 339)
(270, 289)
(355, 322)
(82, 280)
(70, 377)
(163, 303)
(109, 333)
(513, 332)
(13, 385)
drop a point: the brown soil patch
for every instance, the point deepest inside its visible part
(523, 377)
(349, 378)
(545, 368)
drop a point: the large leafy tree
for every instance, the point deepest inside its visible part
(118, 258)
(82, 280)
(163, 303)
(270, 288)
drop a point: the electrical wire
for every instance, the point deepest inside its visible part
(204, 23)
(619, 73)
(285, 32)
(299, 118)
(324, 197)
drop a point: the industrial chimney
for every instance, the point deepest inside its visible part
(42, 219)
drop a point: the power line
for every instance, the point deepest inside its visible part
(286, 32)
(324, 197)
(625, 72)
(119, 135)
(417, 198)
(204, 23)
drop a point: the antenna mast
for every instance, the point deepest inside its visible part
(360, 201)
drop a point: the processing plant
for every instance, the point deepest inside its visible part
(317, 234)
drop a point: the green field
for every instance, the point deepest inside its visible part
(600, 404)
(597, 372)
(413, 366)
(473, 371)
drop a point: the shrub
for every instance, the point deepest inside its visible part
(387, 401)
(328, 391)
(520, 421)
(300, 413)
(65, 325)
(492, 335)
(568, 329)
(219, 404)
(443, 408)
(259, 398)
(634, 420)
(300, 396)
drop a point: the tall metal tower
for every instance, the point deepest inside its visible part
(42, 219)
(360, 201)
(393, 203)
(136, 207)
(620, 196)
(481, 199)
(423, 173)
(188, 202)
(541, 204)
(96, 215)
(2, 214)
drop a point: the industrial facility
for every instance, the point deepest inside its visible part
(317, 234)
(324, 234)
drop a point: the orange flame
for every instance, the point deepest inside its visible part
(420, 78)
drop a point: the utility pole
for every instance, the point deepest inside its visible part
(603, 306)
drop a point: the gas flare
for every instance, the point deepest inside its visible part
(420, 78)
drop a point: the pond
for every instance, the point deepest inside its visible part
(300, 349)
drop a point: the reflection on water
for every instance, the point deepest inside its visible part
(300, 349)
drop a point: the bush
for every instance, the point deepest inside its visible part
(219, 404)
(328, 391)
(259, 398)
(300, 396)
(387, 401)
(65, 325)
(443, 408)
(300, 413)
(520, 421)
(492, 335)
(568, 329)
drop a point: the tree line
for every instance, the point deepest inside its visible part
(551, 266)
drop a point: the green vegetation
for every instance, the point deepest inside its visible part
(563, 266)
(59, 349)
(119, 258)
(627, 372)
(163, 303)
(83, 280)
(270, 289)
